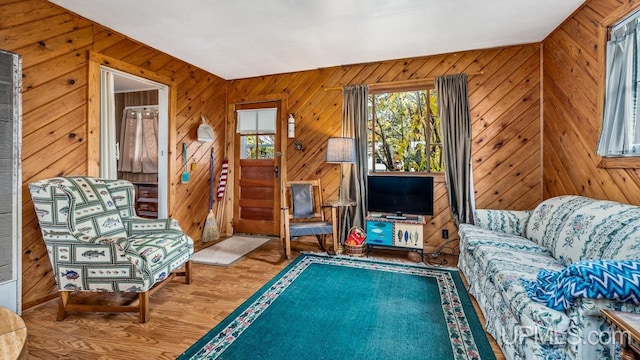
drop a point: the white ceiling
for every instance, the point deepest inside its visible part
(245, 38)
(123, 84)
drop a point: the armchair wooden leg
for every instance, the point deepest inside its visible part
(187, 272)
(143, 303)
(62, 305)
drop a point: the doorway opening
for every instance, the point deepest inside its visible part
(134, 133)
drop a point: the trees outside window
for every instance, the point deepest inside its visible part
(404, 132)
(257, 146)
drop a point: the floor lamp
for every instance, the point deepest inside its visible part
(341, 150)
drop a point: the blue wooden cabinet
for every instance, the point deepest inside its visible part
(403, 233)
(379, 233)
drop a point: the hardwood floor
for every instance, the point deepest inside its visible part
(180, 314)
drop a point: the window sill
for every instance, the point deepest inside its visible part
(620, 163)
(438, 177)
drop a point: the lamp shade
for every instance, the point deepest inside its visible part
(341, 150)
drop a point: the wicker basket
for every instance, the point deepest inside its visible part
(356, 250)
(356, 234)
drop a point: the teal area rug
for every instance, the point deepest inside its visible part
(344, 308)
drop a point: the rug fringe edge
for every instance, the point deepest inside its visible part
(382, 260)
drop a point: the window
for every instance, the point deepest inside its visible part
(257, 130)
(620, 134)
(404, 132)
(257, 146)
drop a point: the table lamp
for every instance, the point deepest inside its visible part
(341, 150)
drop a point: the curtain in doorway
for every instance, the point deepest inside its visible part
(108, 140)
(455, 121)
(354, 124)
(139, 141)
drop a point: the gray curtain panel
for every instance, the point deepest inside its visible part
(354, 124)
(621, 95)
(453, 104)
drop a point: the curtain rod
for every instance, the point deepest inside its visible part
(401, 82)
(143, 107)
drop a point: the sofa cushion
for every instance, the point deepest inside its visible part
(548, 219)
(623, 230)
(625, 243)
(473, 236)
(505, 267)
(590, 230)
(503, 221)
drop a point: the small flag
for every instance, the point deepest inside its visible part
(223, 179)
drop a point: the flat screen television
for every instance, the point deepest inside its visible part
(400, 194)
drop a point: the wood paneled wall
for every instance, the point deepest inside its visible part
(573, 70)
(505, 110)
(54, 45)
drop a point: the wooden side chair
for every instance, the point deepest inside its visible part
(303, 214)
(97, 243)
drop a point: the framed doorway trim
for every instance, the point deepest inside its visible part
(96, 60)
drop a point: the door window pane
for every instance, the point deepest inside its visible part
(248, 147)
(257, 146)
(265, 146)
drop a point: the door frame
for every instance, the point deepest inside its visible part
(281, 161)
(96, 61)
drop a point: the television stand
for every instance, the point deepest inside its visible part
(402, 232)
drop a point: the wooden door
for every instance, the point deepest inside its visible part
(257, 169)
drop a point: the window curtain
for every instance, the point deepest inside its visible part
(354, 124)
(139, 141)
(455, 121)
(108, 162)
(621, 94)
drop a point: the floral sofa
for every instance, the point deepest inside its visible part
(505, 250)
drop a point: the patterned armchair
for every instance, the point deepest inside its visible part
(97, 243)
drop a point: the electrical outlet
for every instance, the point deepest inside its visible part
(445, 233)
